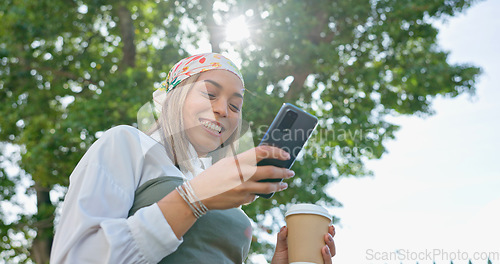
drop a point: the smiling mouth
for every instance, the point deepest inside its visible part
(212, 125)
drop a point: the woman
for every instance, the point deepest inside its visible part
(137, 198)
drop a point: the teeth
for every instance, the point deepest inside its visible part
(211, 126)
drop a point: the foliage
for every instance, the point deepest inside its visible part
(351, 63)
(72, 69)
(63, 81)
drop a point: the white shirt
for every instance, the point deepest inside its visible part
(94, 227)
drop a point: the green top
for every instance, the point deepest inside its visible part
(220, 236)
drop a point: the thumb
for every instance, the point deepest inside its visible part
(281, 243)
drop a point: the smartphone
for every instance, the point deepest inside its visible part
(290, 130)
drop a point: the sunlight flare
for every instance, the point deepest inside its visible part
(237, 29)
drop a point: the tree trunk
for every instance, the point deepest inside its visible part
(215, 32)
(127, 35)
(314, 35)
(40, 249)
(299, 78)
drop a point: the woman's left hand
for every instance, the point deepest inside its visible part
(281, 252)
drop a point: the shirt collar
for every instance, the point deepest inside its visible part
(199, 163)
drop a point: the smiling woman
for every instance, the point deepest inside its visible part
(237, 29)
(172, 195)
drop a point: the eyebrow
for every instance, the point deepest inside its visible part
(216, 84)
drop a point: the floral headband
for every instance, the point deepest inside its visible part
(190, 66)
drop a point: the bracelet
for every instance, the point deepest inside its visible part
(187, 193)
(191, 202)
(183, 195)
(194, 198)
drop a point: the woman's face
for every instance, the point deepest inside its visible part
(212, 109)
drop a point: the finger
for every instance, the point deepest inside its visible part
(252, 157)
(327, 257)
(251, 199)
(281, 243)
(272, 172)
(331, 230)
(282, 235)
(330, 243)
(264, 187)
(333, 250)
(270, 152)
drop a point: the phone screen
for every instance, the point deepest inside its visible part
(289, 131)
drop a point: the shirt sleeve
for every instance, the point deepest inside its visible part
(93, 227)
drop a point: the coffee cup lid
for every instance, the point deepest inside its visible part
(308, 209)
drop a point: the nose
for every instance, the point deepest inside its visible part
(220, 107)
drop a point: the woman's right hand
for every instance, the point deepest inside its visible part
(233, 181)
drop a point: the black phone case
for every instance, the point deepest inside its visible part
(291, 140)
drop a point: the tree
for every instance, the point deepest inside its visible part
(351, 64)
(68, 71)
(72, 69)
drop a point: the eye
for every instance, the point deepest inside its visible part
(209, 95)
(234, 108)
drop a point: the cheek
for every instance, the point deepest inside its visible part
(233, 123)
(200, 102)
(194, 106)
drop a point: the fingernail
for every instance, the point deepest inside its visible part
(281, 230)
(330, 237)
(283, 185)
(287, 155)
(327, 250)
(290, 173)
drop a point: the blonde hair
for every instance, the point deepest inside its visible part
(173, 135)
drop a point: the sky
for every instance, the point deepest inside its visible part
(435, 194)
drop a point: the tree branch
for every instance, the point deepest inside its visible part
(60, 73)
